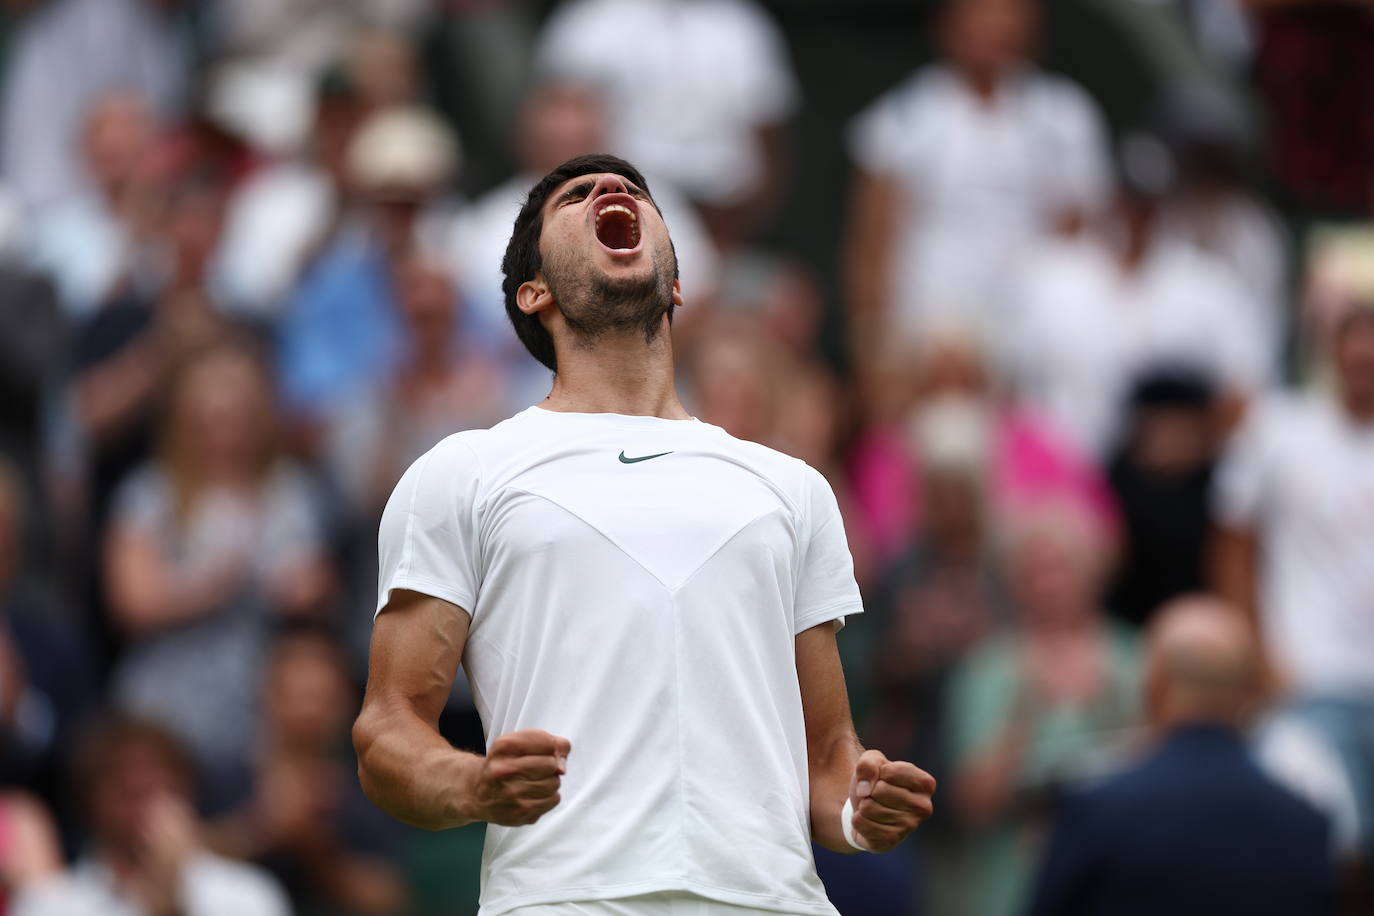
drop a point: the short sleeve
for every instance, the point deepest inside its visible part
(428, 542)
(875, 137)
(1241, 482)
(826, 589)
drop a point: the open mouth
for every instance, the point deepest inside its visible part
(617, 226)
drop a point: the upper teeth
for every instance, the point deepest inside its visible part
(616, 208)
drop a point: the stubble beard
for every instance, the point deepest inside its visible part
(595, 305)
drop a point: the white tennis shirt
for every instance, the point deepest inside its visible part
(635, 585)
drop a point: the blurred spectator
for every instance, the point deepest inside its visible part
(697, 91)
(1216, 210)
(282, 213)
(146, 858)
(1196, 828)
(1027, 460)
(307, 820)
(272, 56)
(206, 544)
(1313, 66)
(120, 359)
(1295, 502)
(942, 595)
(304, 36)
(47, 677)
(31, 856)
(444, 384)
(735, 378)
(65, 56)
(1162, 478)
(1095, 313)
(960, 167)
(557, 122)
(341, 332)
(1038, 707)
(98, 239)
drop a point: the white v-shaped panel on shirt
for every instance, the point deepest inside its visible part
(667, 521)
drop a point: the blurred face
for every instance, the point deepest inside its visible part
(1172, 440)
(224, 412)
(118, 138)
(732, 386)
(384, 70)
(336, 121)
(428, 303)
(952, 370)
(135, 778)
(808, 417)
(560, 123)
(952, 506)
(1053, 579)
(193, 229)
(608, 262)
(1355, 364)
(309, 701)
(989, 37)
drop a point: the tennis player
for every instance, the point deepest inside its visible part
(645, 607)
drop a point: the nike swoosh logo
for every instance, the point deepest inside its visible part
(624, 460)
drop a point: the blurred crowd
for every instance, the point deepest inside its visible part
(1095, 393)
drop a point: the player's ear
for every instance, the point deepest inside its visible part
(533, 296)
(677, 293)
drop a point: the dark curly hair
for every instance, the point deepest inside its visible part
(523, 259)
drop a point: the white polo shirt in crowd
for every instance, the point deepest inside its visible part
(1300, 473)
(635, 585)
(688, 83)
(979, 181)
(1082, 331)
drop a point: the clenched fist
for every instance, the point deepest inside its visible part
(519, 779)
(890, 798)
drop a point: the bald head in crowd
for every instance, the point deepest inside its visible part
(1201, 665)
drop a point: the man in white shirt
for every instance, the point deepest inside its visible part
(1295, 503)
(146, 859)
(960, 167)
(698, 91)
(645, 608)
(1095, 313)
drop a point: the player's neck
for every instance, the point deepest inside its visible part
(618, 374)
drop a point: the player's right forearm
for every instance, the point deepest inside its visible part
(408, 770)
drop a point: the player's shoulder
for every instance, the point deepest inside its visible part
(791, 475)
(486, 447)
(470, 453)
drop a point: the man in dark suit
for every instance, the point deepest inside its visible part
(1196, 828)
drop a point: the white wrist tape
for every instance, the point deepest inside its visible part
(847, 824)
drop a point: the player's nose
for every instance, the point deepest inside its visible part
(609, 184)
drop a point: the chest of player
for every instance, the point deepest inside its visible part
(675, 515)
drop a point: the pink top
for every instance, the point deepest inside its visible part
(1031, 464)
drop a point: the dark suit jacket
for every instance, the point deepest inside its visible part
(1194, 829)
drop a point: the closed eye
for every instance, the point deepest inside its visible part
(574, 194)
